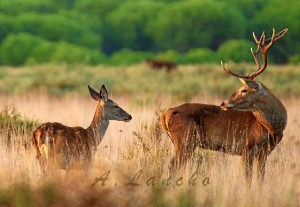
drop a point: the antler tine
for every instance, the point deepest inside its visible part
(279, 35)
(259, 43)
(255, 56)
(264, 50)
(232, 73)
(261, 47)
(261, 39)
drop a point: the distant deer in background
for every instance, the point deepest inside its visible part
(249, 124)
(63, 147)
(160, 64)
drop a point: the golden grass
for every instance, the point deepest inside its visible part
(140, 145)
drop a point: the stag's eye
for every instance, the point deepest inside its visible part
(244, 91)
(116, 106)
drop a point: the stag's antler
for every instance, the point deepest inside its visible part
(263, 47)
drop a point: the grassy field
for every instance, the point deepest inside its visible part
(182, 84)
(130, 166)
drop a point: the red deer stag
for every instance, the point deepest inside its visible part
(61, 146)
(159, 64)
(249, 124)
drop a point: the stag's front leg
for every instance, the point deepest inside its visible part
(42, 163)
(261, 165)
(181, 157)
(248, 157)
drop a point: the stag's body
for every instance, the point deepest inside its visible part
(251, 134)
(64, 147)
(250, 123)
(194, 125)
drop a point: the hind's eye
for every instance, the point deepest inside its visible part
(116, 107)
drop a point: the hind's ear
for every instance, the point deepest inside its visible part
(95, 95)
(103, 94)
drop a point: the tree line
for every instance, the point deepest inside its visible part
(121, 32)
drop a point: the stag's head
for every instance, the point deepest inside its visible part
(251, 93)
(247, 97)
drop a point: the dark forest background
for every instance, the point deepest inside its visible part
(123, 32)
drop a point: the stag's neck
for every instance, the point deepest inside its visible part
(271, 113)
(98, 126)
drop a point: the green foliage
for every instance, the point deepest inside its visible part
(68, 53)
(19, 49)
(199, 55)
(236, 51)
(12, 125)
(127, 57)
(21, 194)
(99, 8)
(41, 53)
(13, 7)
(148, 26)
(16, 48)
(295, 59)
(250, 8)
(196, 24)
(182, 84)
(283, 16)
(6, 26)
(126, 25)
(56, 27)
(170, 55)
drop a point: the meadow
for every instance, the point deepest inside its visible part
(130, 167)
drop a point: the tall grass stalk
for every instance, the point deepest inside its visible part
(137, 154)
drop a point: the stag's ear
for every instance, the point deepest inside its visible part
(245, 82)
(253, 85)
(259, 88)
(103, 93)
(95, 95)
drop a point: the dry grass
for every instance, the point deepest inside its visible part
(141, 145)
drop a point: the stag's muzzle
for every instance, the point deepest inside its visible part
(225, 105)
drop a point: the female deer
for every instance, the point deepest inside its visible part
(62, 146)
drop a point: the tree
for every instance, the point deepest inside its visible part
(14, 7)
(127, 57)
(285, 15)
(56, 27)
(236, 51)
(23, 48)
(16, 48)
(68, 53)
(193, 24)
(126, 25)
(199, 55)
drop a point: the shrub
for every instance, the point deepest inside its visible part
(69, 53)
(16, 48)
(199, 55)
(56, 27)
(19, 49)
(295, 59)
(15, 128)
(236, 51)
(169, 55)
(127, 57)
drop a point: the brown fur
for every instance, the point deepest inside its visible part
(159, 64)
(252, 126)
(245, 133)
(64, 147)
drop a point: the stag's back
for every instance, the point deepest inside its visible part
(209, 127)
